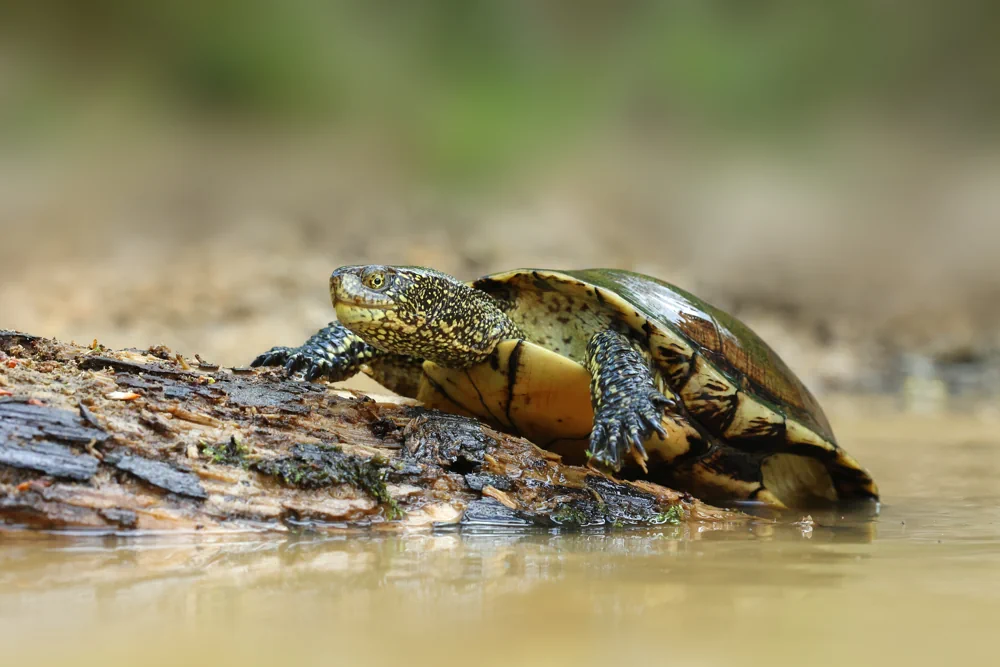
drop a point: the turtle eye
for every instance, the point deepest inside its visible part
(375, 280)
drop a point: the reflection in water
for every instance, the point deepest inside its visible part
(918, 584)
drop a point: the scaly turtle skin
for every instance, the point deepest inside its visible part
(635, 372)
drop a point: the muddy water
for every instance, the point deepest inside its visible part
(918, 585)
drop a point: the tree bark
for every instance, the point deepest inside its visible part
(130, 440)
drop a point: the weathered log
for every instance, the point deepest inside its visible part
(140, 440)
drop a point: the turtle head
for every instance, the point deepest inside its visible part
(418, 312)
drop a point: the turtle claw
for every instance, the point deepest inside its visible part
(655, 420)
(276, 356)
(619, 427)
(312, 365)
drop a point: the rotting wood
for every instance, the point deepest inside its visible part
(203, 448)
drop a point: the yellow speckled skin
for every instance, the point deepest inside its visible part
(523, 350)
(420, 313)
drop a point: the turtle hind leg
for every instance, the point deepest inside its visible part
(628, 407)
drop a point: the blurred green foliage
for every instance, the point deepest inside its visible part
(474, 85)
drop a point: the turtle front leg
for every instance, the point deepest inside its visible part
(627, 405)
(333, 352)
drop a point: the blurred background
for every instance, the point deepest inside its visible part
(189, 173)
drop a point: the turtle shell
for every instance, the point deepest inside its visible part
(729, 380)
